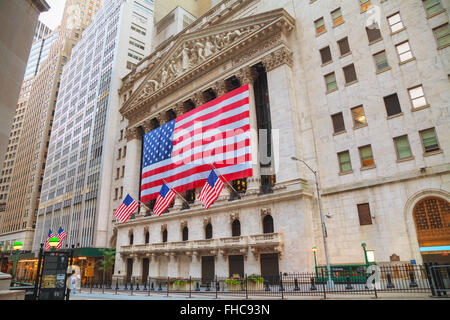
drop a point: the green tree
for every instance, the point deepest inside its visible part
(109, 257)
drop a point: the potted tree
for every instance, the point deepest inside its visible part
(184, 285)
(109, 256)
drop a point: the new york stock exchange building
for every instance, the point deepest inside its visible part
(313, 97)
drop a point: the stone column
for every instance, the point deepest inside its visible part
(248, 76)
(285, 129)
(153, 269)
(137, 268)
(132, 178)
(195, 269)
(172, 268)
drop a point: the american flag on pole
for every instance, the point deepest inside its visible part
(164, 199)
(61, 235)
(182, 151)
(124, 211)
(50, 235)
(211, 190)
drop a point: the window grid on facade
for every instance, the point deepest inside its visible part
(320, 26)
(373, 34)
(395, 22)
(344, 46)
(338, 122)
(392, 105)
(417, 97)
(345, 164)
(365, 217)
(364, 4)
(350, 74)
(366, 156)
(381, 62)
(429, 140)
(325, 54)
(330, 80)
(359, 117)
(442, 35)
(404, 51)
(402, 147)
(336, 15)
(432, 7)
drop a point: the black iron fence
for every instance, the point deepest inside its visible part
(398, 278)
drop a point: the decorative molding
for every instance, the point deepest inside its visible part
(163, 227)
(266, 212)
(188, 56)
(234, 216)
(278, 58)
(247, 75)
(133, 133)
(206, 220)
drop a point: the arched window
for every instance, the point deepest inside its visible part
(208, 231)
(431, 216)
(185, 234)
(164, 235)
(131, 239)
(236, 228)
(147, 237)
(268, 224)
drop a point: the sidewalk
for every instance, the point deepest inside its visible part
(174, 296)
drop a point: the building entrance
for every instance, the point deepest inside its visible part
(207, 269)
(269, 268)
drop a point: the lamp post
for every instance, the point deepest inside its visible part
(17, 246)
(314, 250)
(363, 245)
(330, 282)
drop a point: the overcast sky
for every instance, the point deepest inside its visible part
(52, 18)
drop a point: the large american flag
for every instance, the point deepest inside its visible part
(182, 151)
(61, 235)
(211, 191)
(50, 235)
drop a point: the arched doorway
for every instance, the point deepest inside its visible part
(432, 220)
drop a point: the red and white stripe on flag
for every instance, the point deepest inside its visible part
(165, 198)
(211, 191)
(217, 133)
(125, 210)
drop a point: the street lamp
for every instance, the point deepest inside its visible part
(53, 242)
(17, 246)
(314, 250)
(363, 245)
(330, 282)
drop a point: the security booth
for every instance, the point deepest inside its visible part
(339, 273)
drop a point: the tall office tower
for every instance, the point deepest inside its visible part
(77, 179)
(357, 90)
(18, 21)
(39, 52)
(18, 220)
(41, 31)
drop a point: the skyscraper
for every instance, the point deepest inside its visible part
(18, 220)
(77, 179)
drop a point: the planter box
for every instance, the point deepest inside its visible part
(252, 286)
(235, 287)
(184, 287)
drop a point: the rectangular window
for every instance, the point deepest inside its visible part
(366, 156)
(417, 97)
(442, 35)
(344, 47)
(338, 122)
(350, 74)
(392, 105)
(429, 140)
(331, 83)
(432, 6)
(381, 62)
(395, 22)
(364, 5)
(320, 26)
(404, 51)
(365, 218)
(325, 54)
(359, 118)
(345, 164)
(336, 15)
(373, 34)
(402, 147)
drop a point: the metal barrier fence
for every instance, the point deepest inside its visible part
(439, 278)
(400, 279)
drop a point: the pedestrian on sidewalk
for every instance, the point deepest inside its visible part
(73, 281)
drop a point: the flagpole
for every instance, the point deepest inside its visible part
(185, 201)
(218, 173)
